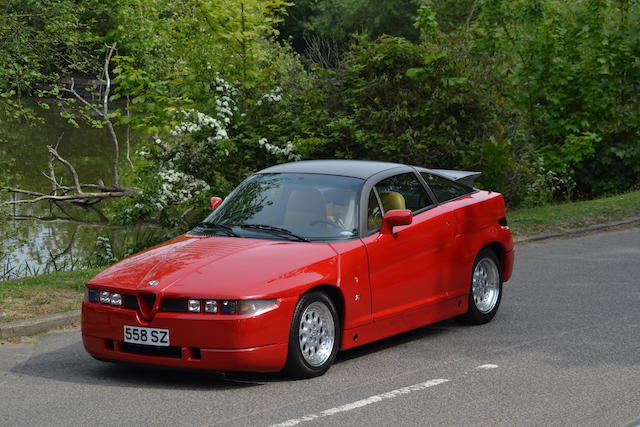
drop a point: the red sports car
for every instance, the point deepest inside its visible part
(302, 260)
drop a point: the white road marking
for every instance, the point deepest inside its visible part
(487, 366)
(377, 398)
(364, 402)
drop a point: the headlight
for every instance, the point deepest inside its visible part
(105, 297)
(116, 299)
(229, 307)
(251, 306)
(194, 305)
(210, 306)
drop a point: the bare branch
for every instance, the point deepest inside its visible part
(127, 140)
(470, 16)
(80, 198)
(100, 187)
(79, 194)
(52, 172)
(103, 113)
(54, 218)
(73, 92)
(69, 166)
(107, 60)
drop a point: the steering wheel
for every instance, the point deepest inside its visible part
(325, 221)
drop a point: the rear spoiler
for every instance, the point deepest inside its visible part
(463, 177)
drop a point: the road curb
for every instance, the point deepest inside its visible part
(39, 324)
(596, 227)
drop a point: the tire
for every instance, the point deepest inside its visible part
(485, 289)
(314, 337)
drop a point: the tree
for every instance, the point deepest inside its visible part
(44, 41)
(335, 21)
(570, 69)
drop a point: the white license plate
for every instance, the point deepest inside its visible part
(148, 336)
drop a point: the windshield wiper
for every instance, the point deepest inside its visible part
(274, 230)
(224, 228)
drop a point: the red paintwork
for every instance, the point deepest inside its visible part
(387, 283)
(394, 218)
(214, 202)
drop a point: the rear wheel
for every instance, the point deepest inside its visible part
(485, 290)
(314, 336)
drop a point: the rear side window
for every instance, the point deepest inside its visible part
(403, 191)
(444, 189)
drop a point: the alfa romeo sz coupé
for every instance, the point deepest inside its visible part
(302, 260)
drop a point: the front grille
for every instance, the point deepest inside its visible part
(176, 305)
(150, 350)
(149, 299)
(130, 301)
(168, 305)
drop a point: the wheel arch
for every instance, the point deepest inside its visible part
(335, 294)
(499, 249)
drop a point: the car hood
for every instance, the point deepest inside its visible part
(223, 267)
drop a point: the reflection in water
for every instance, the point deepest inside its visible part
(29, 247)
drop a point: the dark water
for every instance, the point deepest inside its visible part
(32, 246)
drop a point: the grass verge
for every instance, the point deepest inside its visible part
(566, 216)
(46, 294)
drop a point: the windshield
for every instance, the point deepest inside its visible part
(311, 206)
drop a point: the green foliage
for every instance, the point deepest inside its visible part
(42, 42)
(337, 20)
(537, 94)
(570, 68)
(186, 43)
(392, 99)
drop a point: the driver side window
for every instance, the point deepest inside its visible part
(403, 191)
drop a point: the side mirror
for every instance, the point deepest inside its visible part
(394, 218)
(214, 202)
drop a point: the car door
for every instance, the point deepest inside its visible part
(407, 269)
(465, 213)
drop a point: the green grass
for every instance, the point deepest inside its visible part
(565, 216)
(46, 294)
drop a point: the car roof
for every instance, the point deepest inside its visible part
(362, 169)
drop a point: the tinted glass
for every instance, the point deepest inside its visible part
(403, 192)
(374, 215)
(443, 188)
(310, 205)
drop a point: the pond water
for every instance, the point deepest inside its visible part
(30, 246)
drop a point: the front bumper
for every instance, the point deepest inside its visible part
(217, 342)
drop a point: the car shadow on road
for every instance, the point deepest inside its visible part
(71, 363)
(425, 332)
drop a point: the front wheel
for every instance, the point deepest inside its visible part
(314, 337)
(486, 288)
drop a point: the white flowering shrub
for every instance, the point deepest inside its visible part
(104, 252)
(271, 97)
(161, 192)
(196, 122)
(214, 145)
(287, 152)
(196, 126)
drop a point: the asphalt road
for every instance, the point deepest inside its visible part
(564, 349)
